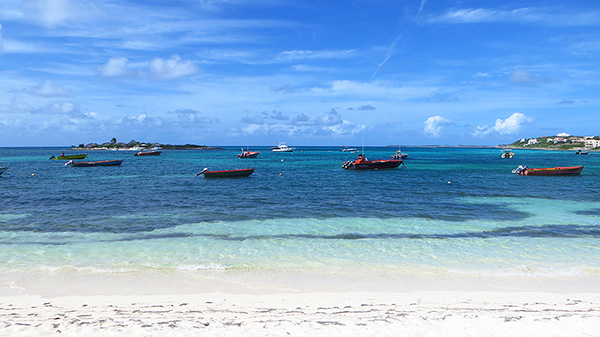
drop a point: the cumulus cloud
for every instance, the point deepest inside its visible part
(328, 124)
(272, 117)
(48, 89)
(328, 119)
(172, 68)
(524, 78)
(363, 108)
(52, 13)
(158, 68)
(509, 125)
(15, 107)
(434, 124)
(115, 67)
(191, 118)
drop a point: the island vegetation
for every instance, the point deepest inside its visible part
(561, 141)
(113, 144)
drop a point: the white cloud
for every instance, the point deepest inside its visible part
(172, 68)
(51, 13)
(293, 55)
(523, 77)
(49, 89)
(509, 125)
(115, 67)
(63, 108)
(329, 124)
(519, 15)
(372, 89)
(434, 124)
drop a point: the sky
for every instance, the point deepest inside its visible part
(330, 73)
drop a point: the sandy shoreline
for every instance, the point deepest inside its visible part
(297, 305)
(430, 313)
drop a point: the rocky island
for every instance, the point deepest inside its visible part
(113, 144)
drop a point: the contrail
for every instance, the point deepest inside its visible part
(388, 55)
(390, 50)
(421, 7)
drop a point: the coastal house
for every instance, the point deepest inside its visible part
(532, 141)
(592, 143)
(577, 140)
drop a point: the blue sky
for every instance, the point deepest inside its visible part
(240, 72)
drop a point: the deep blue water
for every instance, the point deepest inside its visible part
(455, 200)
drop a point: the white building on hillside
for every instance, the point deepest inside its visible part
(592, 143)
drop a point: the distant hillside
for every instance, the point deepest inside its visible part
(565, 142)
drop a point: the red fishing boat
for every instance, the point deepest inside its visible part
(226, 173)
(148, 153)
(548, 171)
(248, 154)
(363, 163)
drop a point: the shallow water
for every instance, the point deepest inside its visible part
(449, 210)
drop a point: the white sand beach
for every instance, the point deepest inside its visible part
(114, 309)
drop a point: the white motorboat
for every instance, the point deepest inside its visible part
(282, 147)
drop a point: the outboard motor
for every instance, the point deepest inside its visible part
(519, 169)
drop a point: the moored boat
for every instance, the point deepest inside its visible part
(69, 157)
(2, 169)
(363, 163)
(581, 152)
(248, 154)
(226, 173)
(282, 147)
(148, 153)
(548, 171)
(349, 149)
(507, 154)
(95, 163)
(399, 155)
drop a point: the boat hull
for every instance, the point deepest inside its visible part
(148, 153)
(228, 173)
(373, 164)
(552, 171)
(2, 169)
(70, 157)
(97, 163)
(247, 154)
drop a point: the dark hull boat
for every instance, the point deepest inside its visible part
(363, 163)
(148, 153)
(95, 163)
(549, 171)
(226, 173)
(2, 169)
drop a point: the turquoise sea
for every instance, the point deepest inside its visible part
(448, 211)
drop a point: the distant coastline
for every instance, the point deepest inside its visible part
(163, 147)
(114, 145)
(560, 142)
